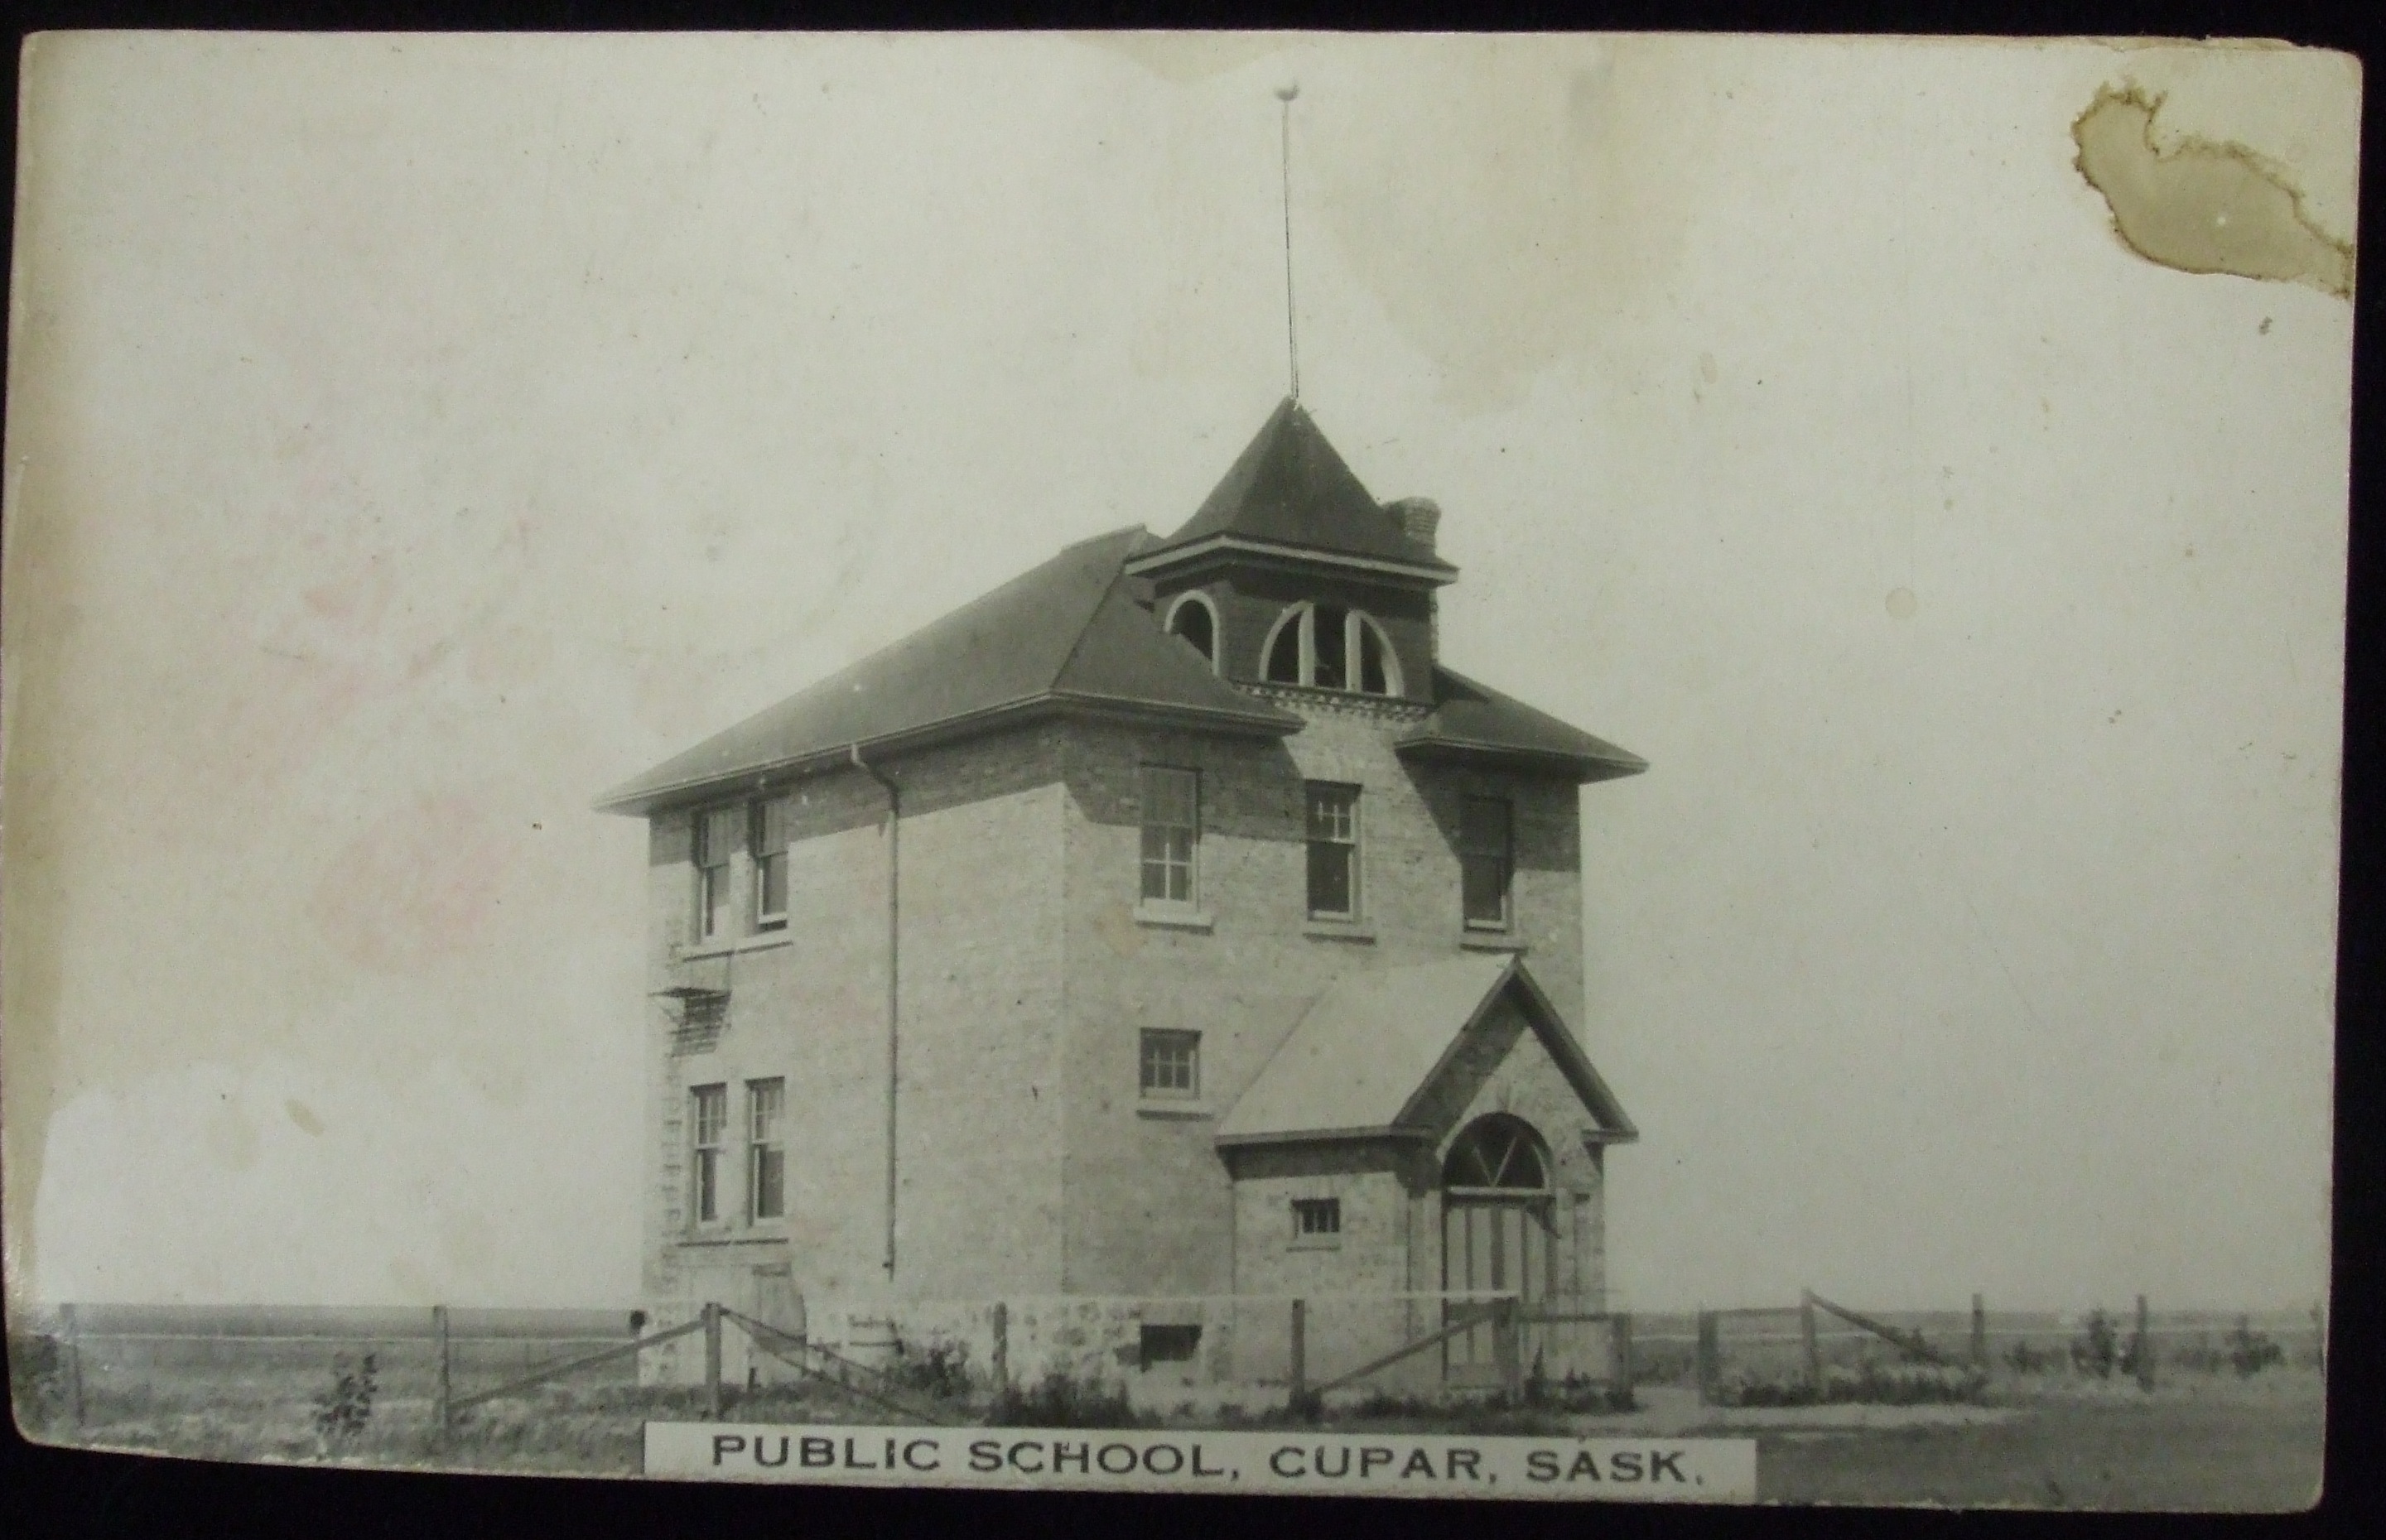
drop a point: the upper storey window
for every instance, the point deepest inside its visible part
(1329, 647)
(1196, 619)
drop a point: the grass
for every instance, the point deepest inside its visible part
(2221, 1446)
(2219, 1440)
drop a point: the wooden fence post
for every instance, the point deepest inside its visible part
(443, 1389)
(713, 1362)
(1299, 1350)
(70, 1346)
(1813, 1344)
(1709, 1357)
(1001, 1346)
(1507, 1345)
(2145, 1346)
(1979, 1333)
(1619, 1351)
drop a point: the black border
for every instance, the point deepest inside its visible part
(49, 1490)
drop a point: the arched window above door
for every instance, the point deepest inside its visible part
(1497, 1152)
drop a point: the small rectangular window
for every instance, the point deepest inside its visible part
(770, 835)
(1332, 851)
(716, 836)
(710, 1114)
(1316, 1218)
(1171, 1064)
(766, 1150)
(1172, 826)
(1487, 862)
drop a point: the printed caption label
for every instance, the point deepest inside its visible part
(1146, 1459)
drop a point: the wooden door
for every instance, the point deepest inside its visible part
(1490, 1243)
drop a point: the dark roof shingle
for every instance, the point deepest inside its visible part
(1473, 721)
(1361, 1059)
(1068, 633)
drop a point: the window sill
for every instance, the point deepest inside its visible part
(1186, 1111)
(1171, 918)
(761, 1235)
(1329, 1244)
(1340, 930)
(759, 942)
(1493, 941)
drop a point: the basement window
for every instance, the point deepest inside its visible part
(1169, 1344)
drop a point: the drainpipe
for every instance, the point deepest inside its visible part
(894, 972)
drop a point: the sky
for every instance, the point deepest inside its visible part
(410, 438)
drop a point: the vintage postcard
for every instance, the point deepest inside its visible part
(1584, 768)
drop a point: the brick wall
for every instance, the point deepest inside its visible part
(1504, 1068)
(1149, 1201)
(1028, 1161)
(978, 1152)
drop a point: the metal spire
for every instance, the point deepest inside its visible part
(1284, 94)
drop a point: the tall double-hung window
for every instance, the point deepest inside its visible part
(1487, 862)
(717, 837)
(1172, 835)
(1332, 851)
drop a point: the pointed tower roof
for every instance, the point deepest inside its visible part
(1291, 494)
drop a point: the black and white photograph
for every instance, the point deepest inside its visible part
(1580, 767)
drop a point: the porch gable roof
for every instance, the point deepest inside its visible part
(1359, 1063)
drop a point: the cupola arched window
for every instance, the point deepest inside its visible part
(1500, 1152)
(1330, 648)
(1194, 618)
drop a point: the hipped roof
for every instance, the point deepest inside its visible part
(1475, 721)
(1358, 1064)
(1068, 635)
(1075, 636)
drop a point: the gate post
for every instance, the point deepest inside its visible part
(1814, 1346)
(70, 1342)
(1619, 1368)
(442, 1387)
(1001, 1346)
(1506, 1344)
(1299, 1350)
(2145, 1346)
(713, 1362)
(1980, 1334)
(1709, 1357)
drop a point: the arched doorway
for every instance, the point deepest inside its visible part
(1496, 1223)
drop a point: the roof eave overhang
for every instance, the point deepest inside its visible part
(1219, 550)
(1323, 1135)
(1583, 768)
(644, 800)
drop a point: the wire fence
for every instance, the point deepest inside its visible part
(1402, 1344)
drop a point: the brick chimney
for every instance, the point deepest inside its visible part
(1419, 516)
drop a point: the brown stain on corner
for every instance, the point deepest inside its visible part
(2202, 206)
